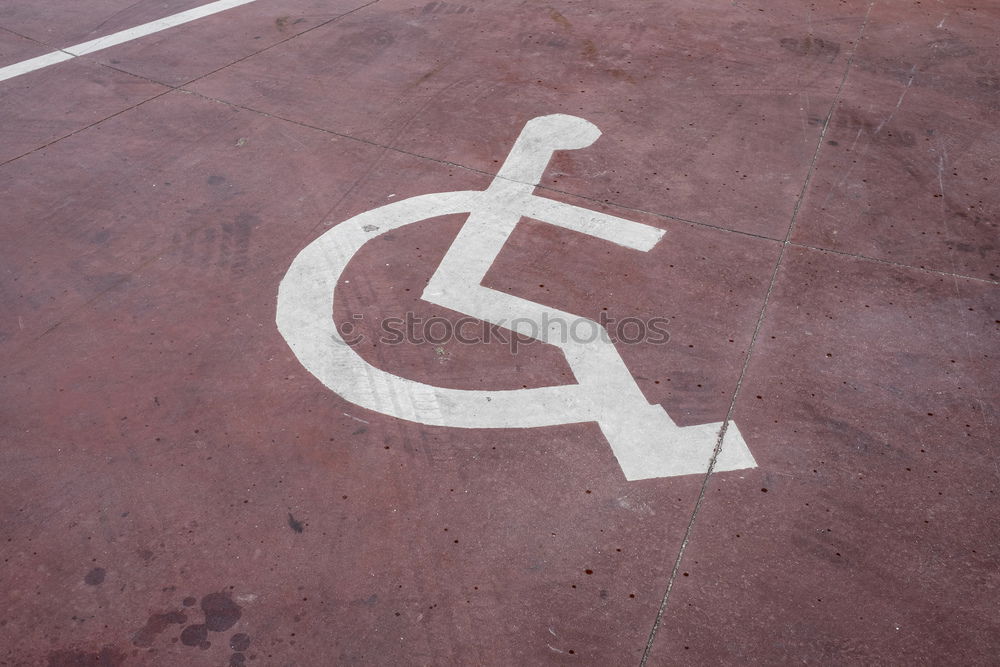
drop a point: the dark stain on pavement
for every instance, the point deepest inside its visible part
(221, 613)
(156, 624)
(222, 246)
(195, 635)
(236, 245)
(95, 577)
(295, 525)
(811, 46)
(239, 643)
(560, 19)
(851, 436)
(107, 656)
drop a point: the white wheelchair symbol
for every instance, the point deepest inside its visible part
(645, 440)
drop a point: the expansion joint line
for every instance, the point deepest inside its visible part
(746, 362)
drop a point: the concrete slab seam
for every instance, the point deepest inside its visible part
(31, 39)
(545, 188)
(319, 25)
(746, 362)
(886, 262)
(87, 127)
(173, 87)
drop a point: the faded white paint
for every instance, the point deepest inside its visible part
(120, 37)
(646, 442)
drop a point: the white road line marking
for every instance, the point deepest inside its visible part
(120, 37)
(26, 66)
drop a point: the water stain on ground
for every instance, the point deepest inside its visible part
(195, 635)
(95, 577)
(156, 624)
(239, 643)
(221, 613)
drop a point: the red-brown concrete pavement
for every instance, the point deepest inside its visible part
(795, 236)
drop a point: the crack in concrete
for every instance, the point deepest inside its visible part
(746, 362)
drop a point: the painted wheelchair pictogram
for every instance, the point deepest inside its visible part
(645, 440)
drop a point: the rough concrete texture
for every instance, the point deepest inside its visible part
(177, 489)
